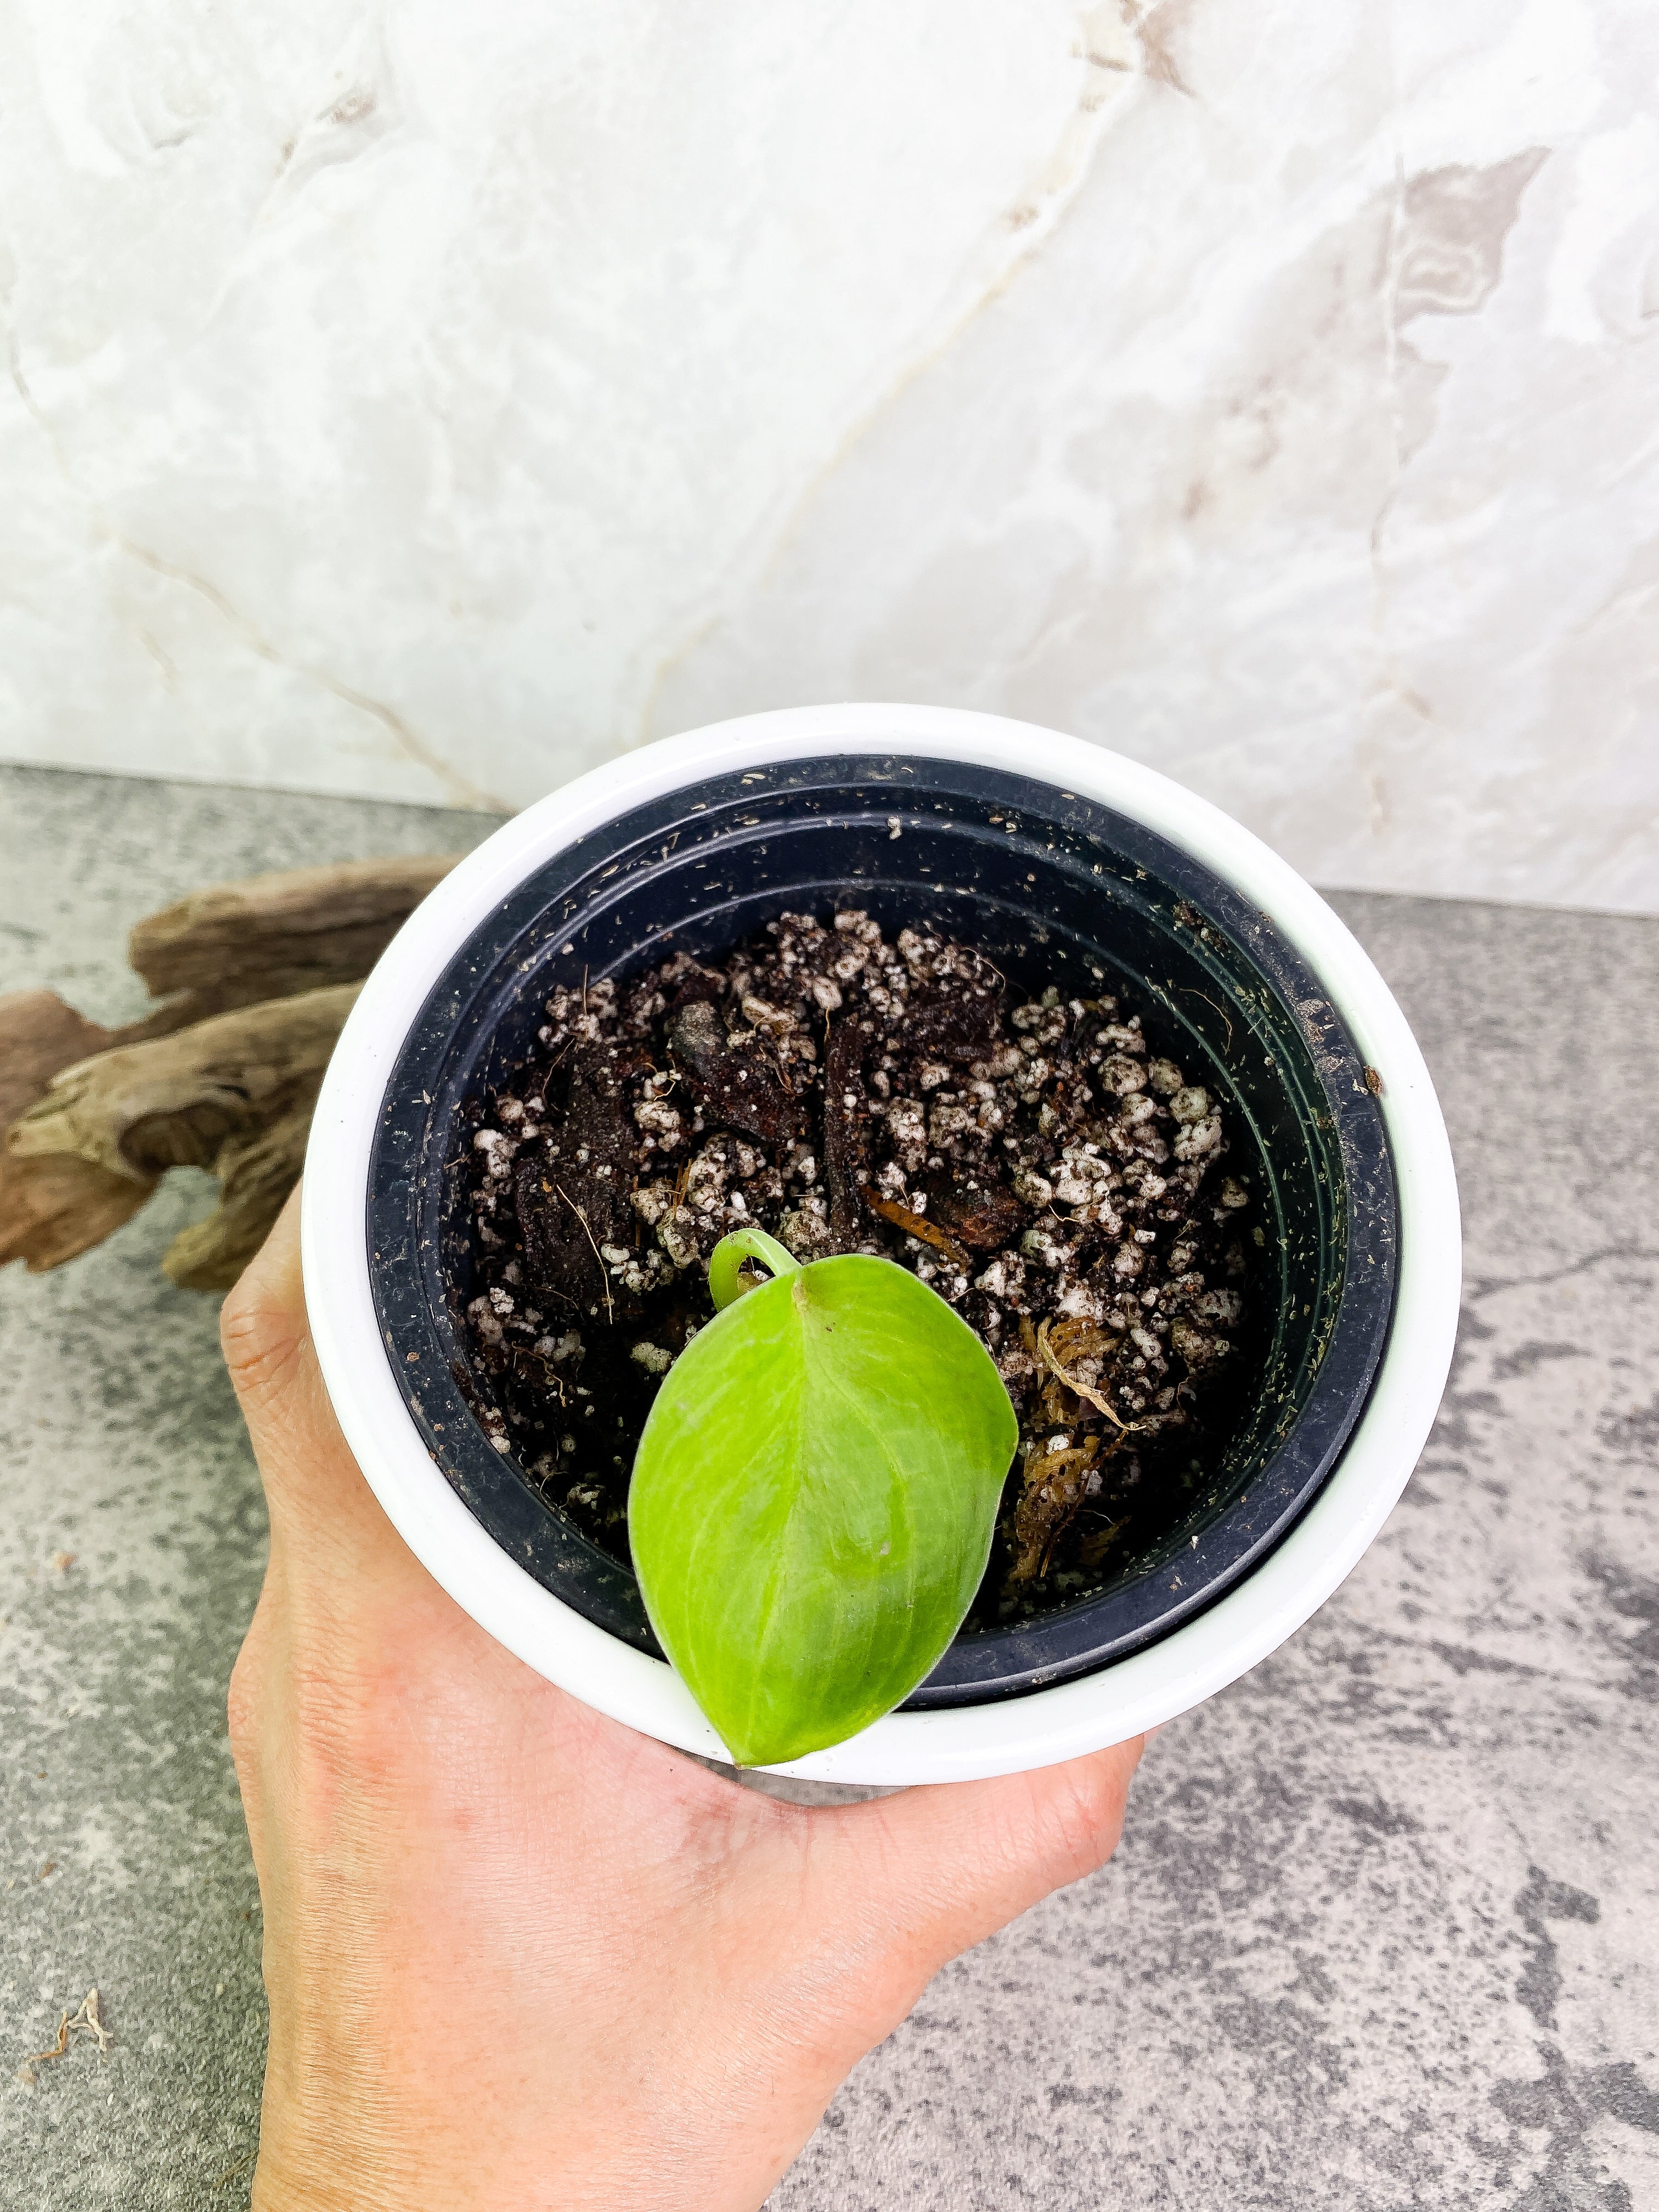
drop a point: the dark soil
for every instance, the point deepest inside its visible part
(1062, 1187)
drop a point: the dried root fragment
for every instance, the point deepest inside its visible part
(1057, 1482)
(917, 1224)
(599, 1261)
(1078, 1388)
(979, 1209)
(87, 2018)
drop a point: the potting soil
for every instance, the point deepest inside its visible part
(1063, 1186)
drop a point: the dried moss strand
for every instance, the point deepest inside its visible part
(1078, 1389)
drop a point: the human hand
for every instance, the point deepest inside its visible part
(517, 1954)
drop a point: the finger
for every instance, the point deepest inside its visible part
(951, 1864)
(262, 1323)
(313, 1485)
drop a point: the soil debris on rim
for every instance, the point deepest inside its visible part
(1060, 1184)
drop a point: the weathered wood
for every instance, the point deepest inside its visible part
(256, 1174)
(51, 1210)
(255, 978)
(175, 1101)
(273, 936)
(55, 1207)
(39, 1035)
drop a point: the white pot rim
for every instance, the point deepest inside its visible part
(956, 1743)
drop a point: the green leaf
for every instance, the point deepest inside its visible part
(814, 1495)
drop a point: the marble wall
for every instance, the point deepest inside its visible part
(430, 402)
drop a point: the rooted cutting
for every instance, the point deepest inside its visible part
(1053, 1178)
(813, 1499)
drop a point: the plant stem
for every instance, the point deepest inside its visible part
(725, 1263)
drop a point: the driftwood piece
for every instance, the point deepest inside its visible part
(39, 1035)
(175, 1101)
(255, 978)
(274, 936)
(51, 1209)
(233, 1094)
(256, 1174)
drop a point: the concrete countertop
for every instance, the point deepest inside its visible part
(1384, 1930)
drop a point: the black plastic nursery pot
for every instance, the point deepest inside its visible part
(1055, 889)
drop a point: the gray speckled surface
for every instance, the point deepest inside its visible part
(1384, 1928)
(122, 1446)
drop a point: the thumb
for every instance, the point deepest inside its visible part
(313, 1488)
(946, 1865)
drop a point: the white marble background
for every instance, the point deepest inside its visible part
(431, 401)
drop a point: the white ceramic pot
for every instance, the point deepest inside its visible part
(1186, 1664)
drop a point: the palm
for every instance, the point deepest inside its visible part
(517, 1953)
